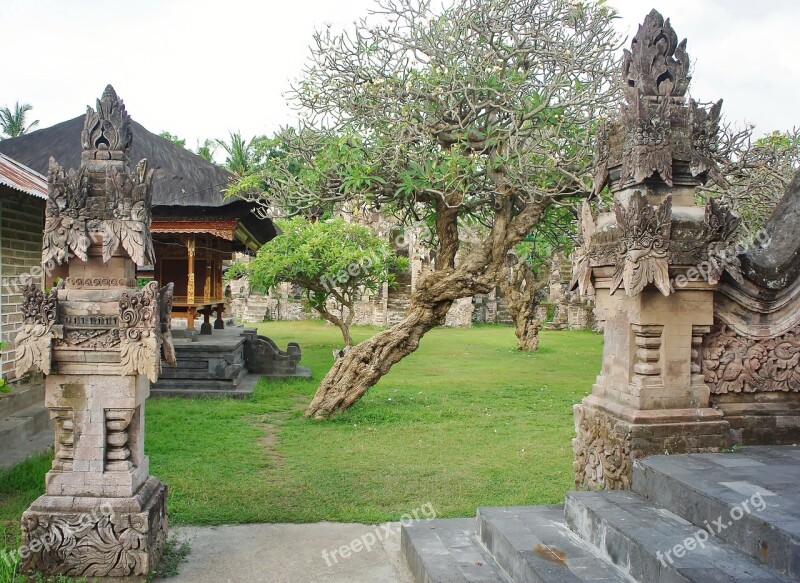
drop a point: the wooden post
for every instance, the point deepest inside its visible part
(207, 284)
(190, 278)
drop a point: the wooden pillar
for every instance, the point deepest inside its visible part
(219, 283)
(207, 283)
(190, 275)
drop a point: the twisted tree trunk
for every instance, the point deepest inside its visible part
(364, 364)
(521, 291)
(342, 322)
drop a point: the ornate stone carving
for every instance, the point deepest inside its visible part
(705, 138)
(165, 298)
(140, 332)
(65, 227)
(657, 64)
(721, 225)
(646, 146)
(129, 227)
(108, 128)
(647, 360)
(602, 153)
(645, 233)
(736, 364)
(64, 453)
(99, 282)
(89, 339)
(581, 263)
(33, 339)
(99, 542)
(119, 212)
(654, 72)
(101, 515)
(118, 455)
(602, 455)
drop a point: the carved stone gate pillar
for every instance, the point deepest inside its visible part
(99, 341)
(653, 265)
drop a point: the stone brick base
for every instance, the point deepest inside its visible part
(96, 537)
(761, 418)
(610, 437)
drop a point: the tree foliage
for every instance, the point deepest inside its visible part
(239, 158)
(332, 261)
(478, 111)
(206, 149)
(757, 172)
(13, 122)
(181, 143)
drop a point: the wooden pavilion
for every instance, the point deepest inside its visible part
(195, 227)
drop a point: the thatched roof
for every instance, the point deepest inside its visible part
(182, 179)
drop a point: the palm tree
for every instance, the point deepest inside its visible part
(206, 149)
(239, 159)
(12, 123)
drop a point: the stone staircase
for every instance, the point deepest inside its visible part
(256, 309)
(398, 300)
(25, 425)
(748, 500)
(503, 313)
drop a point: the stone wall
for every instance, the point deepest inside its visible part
(460, 314)
(21, 222)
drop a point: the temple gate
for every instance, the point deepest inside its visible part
(700, 320)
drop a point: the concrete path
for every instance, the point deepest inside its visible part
(323, 552)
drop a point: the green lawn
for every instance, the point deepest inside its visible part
(466, 421)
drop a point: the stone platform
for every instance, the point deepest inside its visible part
(722, 517)
(228, 362)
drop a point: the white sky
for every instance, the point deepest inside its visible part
(199, 68)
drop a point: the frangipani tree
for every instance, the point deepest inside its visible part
(328, 260)
(475, 111)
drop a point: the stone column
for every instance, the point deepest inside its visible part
(650, 267)
(99, 340)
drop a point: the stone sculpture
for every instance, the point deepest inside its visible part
(649, 398)
(99, 339)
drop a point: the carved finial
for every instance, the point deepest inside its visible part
(656, 65)
(108, 128)
(109, 94)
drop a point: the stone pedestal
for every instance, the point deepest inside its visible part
(650, 397)
(87, 536)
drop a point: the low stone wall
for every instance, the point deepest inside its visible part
(460, 314)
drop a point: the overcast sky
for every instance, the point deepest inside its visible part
(199, 68)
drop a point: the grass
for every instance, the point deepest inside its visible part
(175, 553)
(465, 421)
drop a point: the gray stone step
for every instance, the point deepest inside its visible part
(446, 551)
(206, 389)
(20, 428)
(644, 540)
(759, 485)
(532, 544)
(37, 443)
(21, 397)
